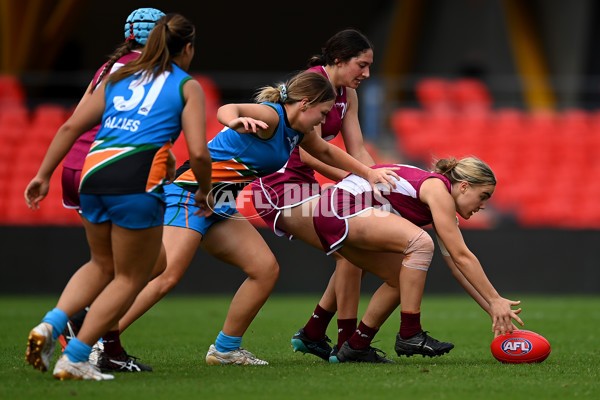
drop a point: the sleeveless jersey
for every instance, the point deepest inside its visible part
(239, 158)
(295, 171)
(141, 120)
(354, 195)
(76, 156)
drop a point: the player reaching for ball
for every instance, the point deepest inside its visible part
(383, 235)
(462, 187)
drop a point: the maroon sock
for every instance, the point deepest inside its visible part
(362, 337)
(316, 327)
(410, 324)
(346, 328)
(112, 343)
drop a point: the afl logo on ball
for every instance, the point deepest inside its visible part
(516, 346)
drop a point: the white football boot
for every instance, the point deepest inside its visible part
(66, 369)
(40, 347)
(237, 357)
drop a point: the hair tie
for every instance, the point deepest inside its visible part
(283, 93)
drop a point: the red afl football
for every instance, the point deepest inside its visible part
(520, 347)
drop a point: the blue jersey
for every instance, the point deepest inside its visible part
(242, 157)
(141, 121)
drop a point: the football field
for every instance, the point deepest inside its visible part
(174, 336)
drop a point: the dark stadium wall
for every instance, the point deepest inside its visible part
(242, 45)
(40, 260)
(235, 35)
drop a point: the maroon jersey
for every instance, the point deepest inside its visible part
(354, 195)
(76, 156)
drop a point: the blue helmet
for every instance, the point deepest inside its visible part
(140, 23)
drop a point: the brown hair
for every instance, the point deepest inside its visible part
(305, 85)
(125, 48)
(166, 41)
(341, 47)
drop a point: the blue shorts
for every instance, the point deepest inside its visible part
(180, 210)
(133, 211)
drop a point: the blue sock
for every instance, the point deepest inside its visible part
(226, 343)
(78, 351)
(58, 319)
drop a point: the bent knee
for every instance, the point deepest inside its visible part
(270, 270)
(419, 251)
(103, 266)
(264, 270)
(165, 282)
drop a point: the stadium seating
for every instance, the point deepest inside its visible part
(26, 135)
(469, 94)
(433, 93)
(546, 162)
(11, 91)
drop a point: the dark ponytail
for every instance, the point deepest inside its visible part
(341, 47)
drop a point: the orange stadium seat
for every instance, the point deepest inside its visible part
(594, 121)
(49, 116)
(546, 162)
(540, 123)
(13, 117)
(407, 126)
(407, 121)
(509, 121)
(212, 92)
(468, 94)
(433, 93)
(212, 95)
(575, 121)
(11, 91)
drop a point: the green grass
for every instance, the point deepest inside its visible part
(174, 337)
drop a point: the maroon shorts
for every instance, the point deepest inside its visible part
(71, 179)
(270, 201)
(330, 218)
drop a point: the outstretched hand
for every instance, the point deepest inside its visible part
(382, 175)
(35, 192)
(502, 315)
